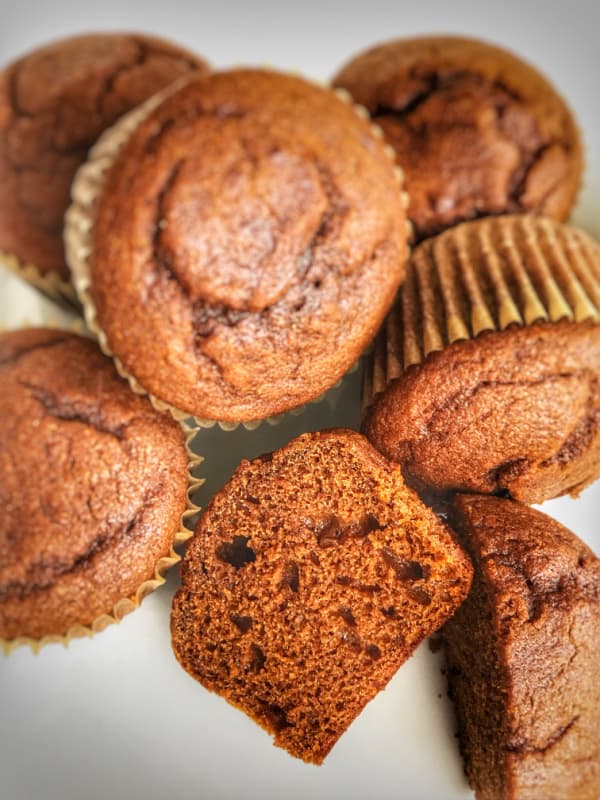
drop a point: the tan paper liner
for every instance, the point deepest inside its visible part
(78, 227)
(49, 284)
(485, 276)
(126, 605)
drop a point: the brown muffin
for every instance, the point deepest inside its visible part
(486, 376)
(245, 244)
(310, 579)
(93, 485)
(54, 103)
(523, 656)
(476, 130)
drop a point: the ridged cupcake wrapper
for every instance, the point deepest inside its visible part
(485, 276)
(78, 228)
(126, 605)
(50, 285)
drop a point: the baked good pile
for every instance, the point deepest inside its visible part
(236, 241)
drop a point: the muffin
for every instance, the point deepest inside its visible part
(523, 656)
(311, 577)
(477, 130)
(54, 104)
(93, 486)
(486, 375)
(238, 246)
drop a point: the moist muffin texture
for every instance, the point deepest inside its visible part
(310, 579)
(93, 484)
(523, 656)
(54, 104)
(246, 244)
(476, 130)
(486, 375)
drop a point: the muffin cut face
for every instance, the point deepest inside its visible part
(93, 484)
(311, 578)
(247, 241)
(54, 103)
(523, 655)
(477, 131)
(486, 375)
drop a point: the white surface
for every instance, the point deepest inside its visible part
(115, 717)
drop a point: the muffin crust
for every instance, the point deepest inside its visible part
(93, 483)
(486, 375)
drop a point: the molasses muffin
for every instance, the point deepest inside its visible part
(476, 130)
(485, 377)
(54, 104)
(237, 245)
(93, 485)
(311, 577)
(523, 656)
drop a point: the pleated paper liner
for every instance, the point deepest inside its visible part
(79, 222)
(126, 605)
(50, 284)
(485, 275)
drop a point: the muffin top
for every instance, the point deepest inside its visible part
(311, 577)
(54, 103)
(523, 655)
(246, 243)
(93, 484)
(477, 130)
(487, 371)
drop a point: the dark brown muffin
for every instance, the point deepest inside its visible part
(476, 130)
(523, 656)
(486, 376)
(54, 103)
(246, 243)
(311, 578)
(93, 484)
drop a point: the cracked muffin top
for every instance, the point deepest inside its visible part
(477, 131)
(246, 242)
(523, 655)
(486, 376)
(54, 104)
(93, 483)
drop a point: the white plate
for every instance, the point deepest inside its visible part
(115, 717)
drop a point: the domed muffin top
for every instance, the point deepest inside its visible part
(477, 130)
(247, 241)
(54, 103)
(94, 483)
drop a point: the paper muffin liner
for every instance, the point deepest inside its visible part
(485, 276)
(79, 222)
(126, 605)
(50, 284)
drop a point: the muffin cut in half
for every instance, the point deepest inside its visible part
(238, 244)
(476, 130)
(485, 376)
(54, 104)
(93, 486)
(311, 577)
(523, 655)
